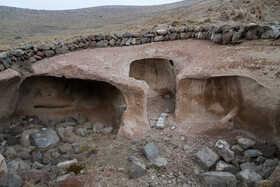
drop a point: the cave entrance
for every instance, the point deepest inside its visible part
(52, 98)
(160, 76)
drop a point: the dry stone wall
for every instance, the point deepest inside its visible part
(225, 34)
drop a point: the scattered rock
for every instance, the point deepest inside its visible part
(227, 154)
(60, 133)
(44, 139)
(159, 162)
(64, 148)
(250, 177)
(81, 131)
(187, 148)
(69, 130)
(161, 31)
(217, 38)
(236, 37)
(160, 123)
(49, 53)
(63, 177)
(3, 167)
(237, 149)
(43, 47)
(137, 168)
(266, 169)
(253, 153)
(36, 175)
(128, 42)
(46, 159)
(218, 179)
(81, 119)
(107, 130)
(245, 143)
(10, 152)
(16, 131)
(227, 38)
(17, 165)
(37, 165)
(62, 50)
(12, 180)
(248, 165)
(138, 141)
(225, 167)
(102, 43)
(84, 180)
(275, 177)
(151, 151)
(77, 148)
(97, 127)
(260, 159)
(36, 156)
(128, 35)
(17, 52)
(158, 38)
(67, 164)
(271, 33)
(220, 144)
(206, 158)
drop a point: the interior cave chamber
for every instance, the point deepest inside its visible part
(159, 74)
(52, 98)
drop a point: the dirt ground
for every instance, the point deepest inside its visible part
(110, 165)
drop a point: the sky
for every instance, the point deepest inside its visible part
(74, 4)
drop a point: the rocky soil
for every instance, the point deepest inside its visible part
(74, 152)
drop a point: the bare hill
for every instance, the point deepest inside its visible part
(22, 26)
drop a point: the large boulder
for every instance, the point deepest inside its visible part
(218, 179)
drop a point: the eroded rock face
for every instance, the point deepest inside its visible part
(231, 97)
(206, 79)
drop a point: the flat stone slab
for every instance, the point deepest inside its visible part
(44, 139)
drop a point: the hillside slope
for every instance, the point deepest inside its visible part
(21, 26)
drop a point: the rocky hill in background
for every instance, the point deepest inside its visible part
(24, 26)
